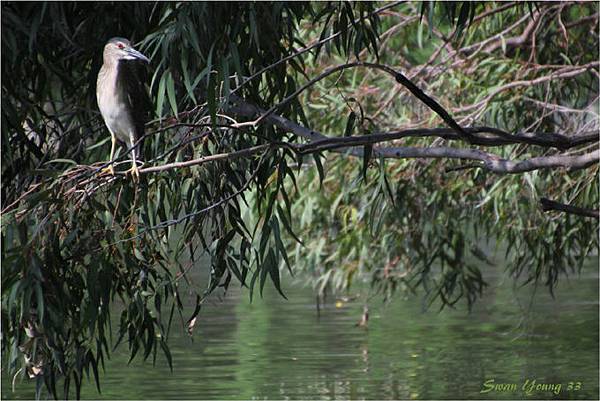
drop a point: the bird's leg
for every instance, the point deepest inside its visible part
(110, 170)
(135, 172)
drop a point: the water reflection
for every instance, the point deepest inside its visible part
(277, 349)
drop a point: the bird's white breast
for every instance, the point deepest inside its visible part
(114, 110)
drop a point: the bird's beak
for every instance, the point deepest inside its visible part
(133, 54)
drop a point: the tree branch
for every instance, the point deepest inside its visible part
(211, 158)
(493, 162)
(495, 137)
(548, 205)
(568, 72)
(399, 77)
(319, 142)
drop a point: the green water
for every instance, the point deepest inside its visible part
(277, 349)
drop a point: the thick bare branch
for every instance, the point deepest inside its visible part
(399, 77)
(493, 162)
(319, 142)
(491, 137)
(548, 205)
(494, 137)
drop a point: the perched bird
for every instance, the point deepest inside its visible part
(122, 98)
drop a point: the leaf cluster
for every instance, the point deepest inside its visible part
(76, 247)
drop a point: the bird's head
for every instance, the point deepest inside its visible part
(120, 49)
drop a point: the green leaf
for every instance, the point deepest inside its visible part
(171, 93)
(281, 248)
(274, 272)
(264, 270)
(463, 16)
(14, 291)
(186, 78)
(253, 26)
(368, 150)
(225, 79)
(196, 309)
(287, 225)
(316, 157)
(252, 281)
(193, 36)
(160, 96)
(39, 300)
(350, 124)
(430, 12)
(94, 364)
(264, 239)
(98, 144)
(211, 99)
(167, 353)
(269, 210)
(235, 56)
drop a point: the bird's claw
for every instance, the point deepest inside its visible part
(108, 170)
(135, 173)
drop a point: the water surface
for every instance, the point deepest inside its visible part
(277, 349)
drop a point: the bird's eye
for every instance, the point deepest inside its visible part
(120, 45)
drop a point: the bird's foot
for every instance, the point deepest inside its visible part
(135, 173)
(108, 170)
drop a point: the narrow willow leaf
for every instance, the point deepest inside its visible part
(281, 248)
(98, 144)
(94, 364)
(160, 96)
(167, 353)
(232, 265)
(350, 124)
(235, 57)
(193, 36)
(269, 210)
(186, 78)
(264, 271)
(196, 309)
(463, 17)
(253, 281)
(287, 225)
(430, 10)
(264, 239)
(274, 272)
(368, 150)
(225, 79)
(211, 99)
(316, 157)
(171, 93)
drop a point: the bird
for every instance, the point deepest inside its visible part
(122, 98)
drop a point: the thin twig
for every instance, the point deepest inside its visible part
(569, 72)
(211, 158)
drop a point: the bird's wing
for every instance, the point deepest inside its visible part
(138, 100)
